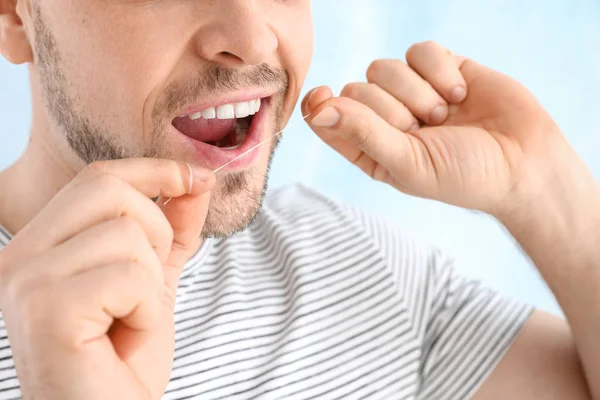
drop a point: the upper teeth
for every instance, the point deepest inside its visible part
(229, 111)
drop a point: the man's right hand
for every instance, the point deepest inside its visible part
(87, 288)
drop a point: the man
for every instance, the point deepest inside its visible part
(120, 276)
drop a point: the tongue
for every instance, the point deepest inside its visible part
(204, 130)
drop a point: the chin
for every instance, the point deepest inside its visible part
(236, 200)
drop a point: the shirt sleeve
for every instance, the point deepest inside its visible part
(464, 328)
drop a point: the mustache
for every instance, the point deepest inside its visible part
(213, 79)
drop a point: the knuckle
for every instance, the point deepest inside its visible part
(130, 229)
(107, 182)
(140, 254)
(14, 260)
(380, 70)
(19, 288)
(136, 271)
(375, 68)
(412, 51)
(361, 133)
(420, 48)
(426, 45)
(137, 245)
(400, 121)
(143, 252)
(24, 277)
(35, 306)
(95, 168)
(352, 90)
(169, 297)
(173, 172)
(402, 118)
(161, 164)
(173, 168)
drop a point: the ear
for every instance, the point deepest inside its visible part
(14, 42)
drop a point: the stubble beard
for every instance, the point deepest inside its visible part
(238, 196)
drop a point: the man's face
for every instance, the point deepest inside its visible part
(175, 79)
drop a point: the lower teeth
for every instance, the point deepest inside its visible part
(231, 148)
(241, 131)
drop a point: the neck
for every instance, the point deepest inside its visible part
(37, 176)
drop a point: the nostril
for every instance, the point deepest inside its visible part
(225, 55)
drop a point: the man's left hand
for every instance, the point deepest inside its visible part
(447, 128)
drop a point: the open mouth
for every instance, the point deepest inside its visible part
(226, 126)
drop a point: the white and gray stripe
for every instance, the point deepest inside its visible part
(320, 301)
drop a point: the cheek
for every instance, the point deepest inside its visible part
(296, 45)
(297, 40)
(114, 56)
(301, 50)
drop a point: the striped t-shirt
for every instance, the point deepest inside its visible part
(316, 300)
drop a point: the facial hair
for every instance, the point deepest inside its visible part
(235, 205)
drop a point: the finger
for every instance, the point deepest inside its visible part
(186, 215)
(440, 68)
(315, 97)
(311, 105)
(367, 140)
(93, 202)
(116, 241)
(402, 82)
(383, 103)
(186, 212)
(156, 177)
(104, 190)
(124, 291)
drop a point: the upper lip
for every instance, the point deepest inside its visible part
(230, 98)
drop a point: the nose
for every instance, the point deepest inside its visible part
(237, 35)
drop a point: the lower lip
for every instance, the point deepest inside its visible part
(213, 157)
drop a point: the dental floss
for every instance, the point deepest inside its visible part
(252, 149)
(190, 186)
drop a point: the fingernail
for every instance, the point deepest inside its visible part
(438, 115)
(201, 174)
(327, 118)
(310, 96)
(458, 94)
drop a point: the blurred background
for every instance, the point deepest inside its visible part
(552, 46)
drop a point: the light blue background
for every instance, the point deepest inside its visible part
(552, 46)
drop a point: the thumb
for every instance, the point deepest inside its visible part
(187, 215)
(360, 135)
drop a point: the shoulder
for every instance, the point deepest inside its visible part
(299, 207)
(298, 213)
(299, 203)
(298, 199)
